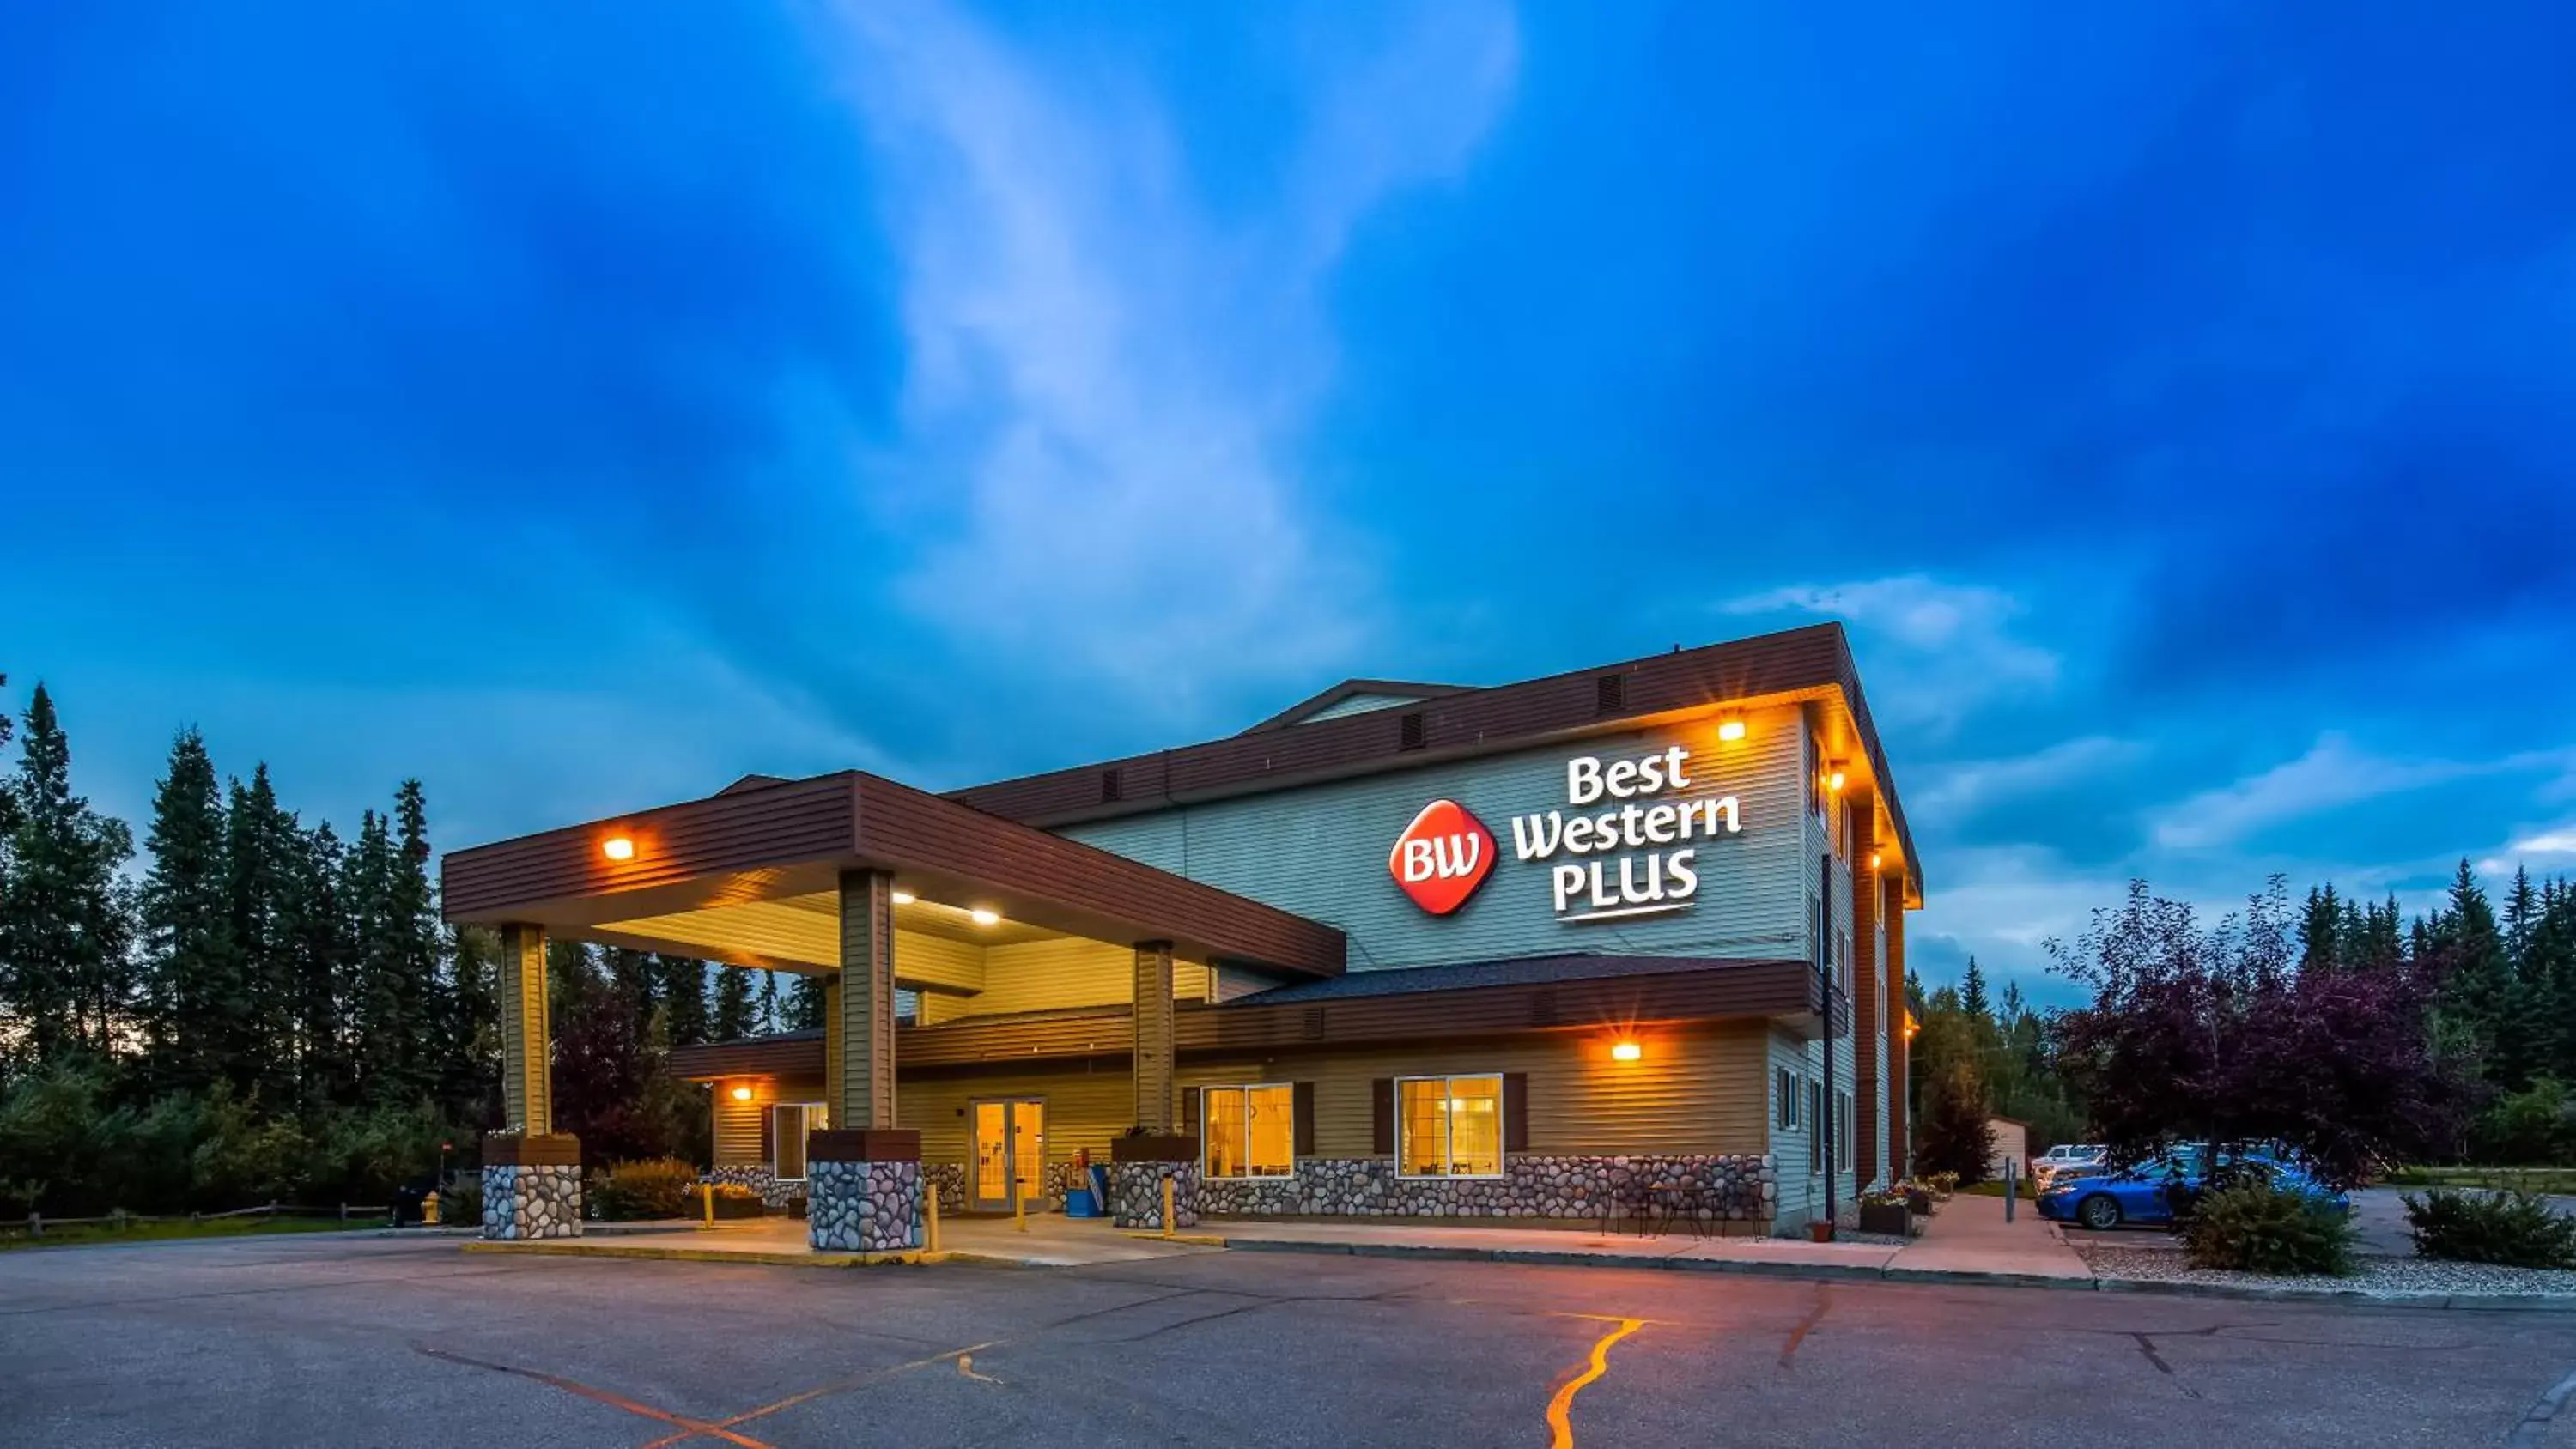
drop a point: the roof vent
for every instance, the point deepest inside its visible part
(1408, 731)
(1310, 1025)
(1111, 788)
(1610, 693)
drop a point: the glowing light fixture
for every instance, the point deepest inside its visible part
(984, 917)
(617, 847)
(904, 898)
(1834, 781)
(742, 1094)
(1873, 860)
(1731, 728)
(1626, 1051)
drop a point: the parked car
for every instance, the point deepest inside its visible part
(2063, 1159)
(2150, 1191)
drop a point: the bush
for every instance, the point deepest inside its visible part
(2254, 1227)
(461, 1201)
(733, 1200)
(2516, 1228)
(635, 1191)
(2530, 1126)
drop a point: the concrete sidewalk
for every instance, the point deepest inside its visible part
(1969, 1241)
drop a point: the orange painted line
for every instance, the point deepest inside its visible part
(837, 1386)
(601, 1396)
(1561, 1407)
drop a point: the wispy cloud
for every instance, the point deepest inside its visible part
(2333, 773)
(1107, 377)
(1974, 784)
(1947, 648)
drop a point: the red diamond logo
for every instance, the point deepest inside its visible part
(1442, 857)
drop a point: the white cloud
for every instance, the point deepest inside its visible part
(2561, 841)
(1973, 784)
(1939, 650)
(2333, 773)
(1107, 379)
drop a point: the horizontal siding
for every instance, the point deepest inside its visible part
(1321, 851)
(737, 1124)
(1085, 1109)
(802, 821)
(1051, 975)
(938, 961)
(1697, 1088)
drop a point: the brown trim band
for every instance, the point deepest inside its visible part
(553, 1149)
(863, 1144)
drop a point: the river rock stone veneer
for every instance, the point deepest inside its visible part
(863, 1207)
(531, 1187)
(1743, 1188)
(1136, 1193)
(775, 1194)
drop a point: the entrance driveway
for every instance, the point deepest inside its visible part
(361, 1340)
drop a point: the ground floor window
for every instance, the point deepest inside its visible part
(1842, 1131)
(1784, 1091)
(1249, 1131)
(789, 1122)
(1449, 1126)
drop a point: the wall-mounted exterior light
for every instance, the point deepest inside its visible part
(618, 847)
(1626, 1051)
(742, 1094)
(1834, 780)
(983, 917)
(1731, 728)
(1873, 860)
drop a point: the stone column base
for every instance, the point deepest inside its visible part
(531, 1187)
(863, 1191)
(1138, 1168)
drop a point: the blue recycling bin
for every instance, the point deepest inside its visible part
(1079, 1203)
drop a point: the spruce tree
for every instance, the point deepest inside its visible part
(1972, 992)
(414, 941)
(733, 1019)
(766, 1011)
(2477, 999)
(633, 979)
(259, 867)
(471, 1075)
(377, 1029)
(197, 997)
(682, 986)
(2321, 930)
(318, 943)
(805, 1004)
(66, 933)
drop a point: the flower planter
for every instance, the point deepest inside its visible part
(1821, 1232)
(1892, 1219)
(1918, 1202)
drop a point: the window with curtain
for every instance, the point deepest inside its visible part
(1248, 1131)
(1449, 1126)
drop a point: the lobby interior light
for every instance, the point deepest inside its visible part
(983, 917)
(618, 847)
(742, 1094)
(1731, 728)
(1626, 1051)
(904, 898)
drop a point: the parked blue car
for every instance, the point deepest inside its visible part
(2144, 1194)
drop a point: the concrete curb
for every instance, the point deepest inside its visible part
(1838, 1272)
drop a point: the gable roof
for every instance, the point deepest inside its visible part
(1315, 704)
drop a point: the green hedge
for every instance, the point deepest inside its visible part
(2253, 1227)
(658, 1187)
(2514, 1228)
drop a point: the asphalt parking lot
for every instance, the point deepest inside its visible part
(363, 1340)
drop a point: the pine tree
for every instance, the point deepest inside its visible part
(2477, 999)
(766, 1012)
(733, 1018)
(66, 932)
(1957, 1134)
(805, 1004)
(2322, 927)
(259, 866)
(198, 1005)
(319, 968)
(414, 940)
(471, 1076)
(682, 986)
(631, 975)
(1972, 991)
(375, 999)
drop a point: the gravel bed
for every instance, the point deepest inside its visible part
(2378, 1276)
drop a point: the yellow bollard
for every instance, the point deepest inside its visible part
(930, 1223)
(1019, 1209)
(707, 1201)
(1167, 1207)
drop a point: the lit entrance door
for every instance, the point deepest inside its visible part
(1010, 1146)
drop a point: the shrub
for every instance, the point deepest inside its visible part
(2254, 1227)
(1942, 1183)
(2530, 1126)
(634, 1191)
(461, 1200)
(733, 1200)
(2515, 1228)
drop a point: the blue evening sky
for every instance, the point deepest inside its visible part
(580, 405)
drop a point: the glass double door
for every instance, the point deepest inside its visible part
(1010, 1148)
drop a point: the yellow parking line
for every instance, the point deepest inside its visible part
(1559, 1407)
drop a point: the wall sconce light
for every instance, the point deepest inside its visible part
(1873, 860)
(904, 898)
(617, 847)
(1731, 728)
(1626, 1051)
(1834, 780)
(983, 917)
(742, 1094)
